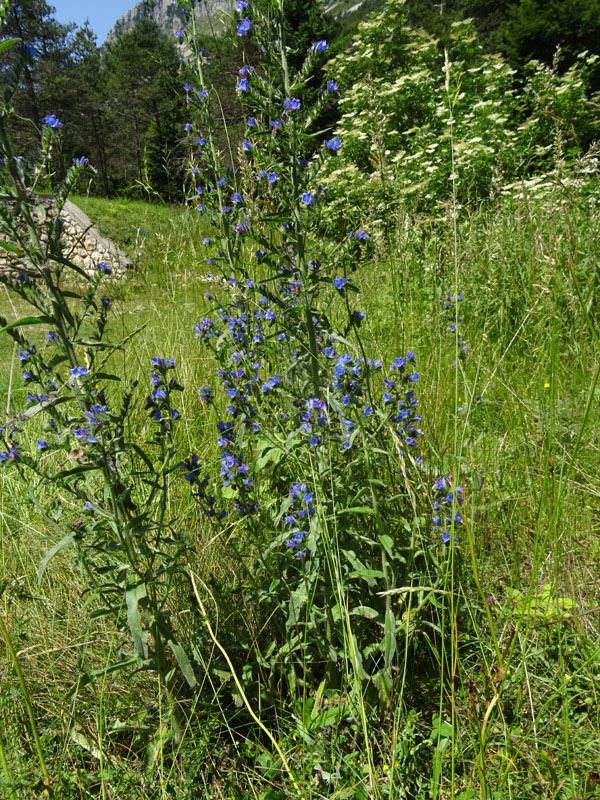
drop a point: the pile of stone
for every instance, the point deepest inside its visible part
(83, 242)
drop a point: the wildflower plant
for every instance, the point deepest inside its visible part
(450, 314)
(69, 437)
(318, 441)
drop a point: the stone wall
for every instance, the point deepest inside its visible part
(83, 242)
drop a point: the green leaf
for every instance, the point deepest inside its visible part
(268, 453)
(141, 453)
(389, 638)
(65, 262)
(5, 245)
(367, 574)
(106, 376)
(8, 43)
(367, 613)
(97, 613)
(297, 601)
(184, 663)
(28, 321)
(356, 510)
(132, 599)
(387, 543)
(66, 541)
(65, 473)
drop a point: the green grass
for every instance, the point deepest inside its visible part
(516, 422)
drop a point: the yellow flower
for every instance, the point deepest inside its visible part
(546, 386)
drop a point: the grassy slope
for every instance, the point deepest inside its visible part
(512, 420)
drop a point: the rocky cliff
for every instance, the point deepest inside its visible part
(169, 17)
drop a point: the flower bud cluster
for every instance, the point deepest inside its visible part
(299, 509)
(158, 402)
(450, 304)
(447, 504)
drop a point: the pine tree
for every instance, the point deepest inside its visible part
(145, 108)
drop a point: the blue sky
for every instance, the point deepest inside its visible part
(101, 14)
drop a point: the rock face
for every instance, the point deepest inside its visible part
(167, 15)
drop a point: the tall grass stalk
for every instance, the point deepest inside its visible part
(26, 696)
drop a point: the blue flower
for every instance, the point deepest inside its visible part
(201, 142)
(237, 198)
(246, 145)
(242, 6)
(105, 268)
(79, 372)
(244, 27)
(272, 177)
(243, 85)
(179, 34)
(187, 87)
(331, 86)
(360, 235)
(12, 453)
(367, 412)
(275, 124)
(333, 144)
(291, 105)
(163, 362)
(188, 127)
(251, 122)
(36, 398)
(320, 46)
(308, 199)
(339, 283)
(52, 122)
(52, 337)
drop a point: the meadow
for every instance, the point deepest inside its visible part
(321, 522)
